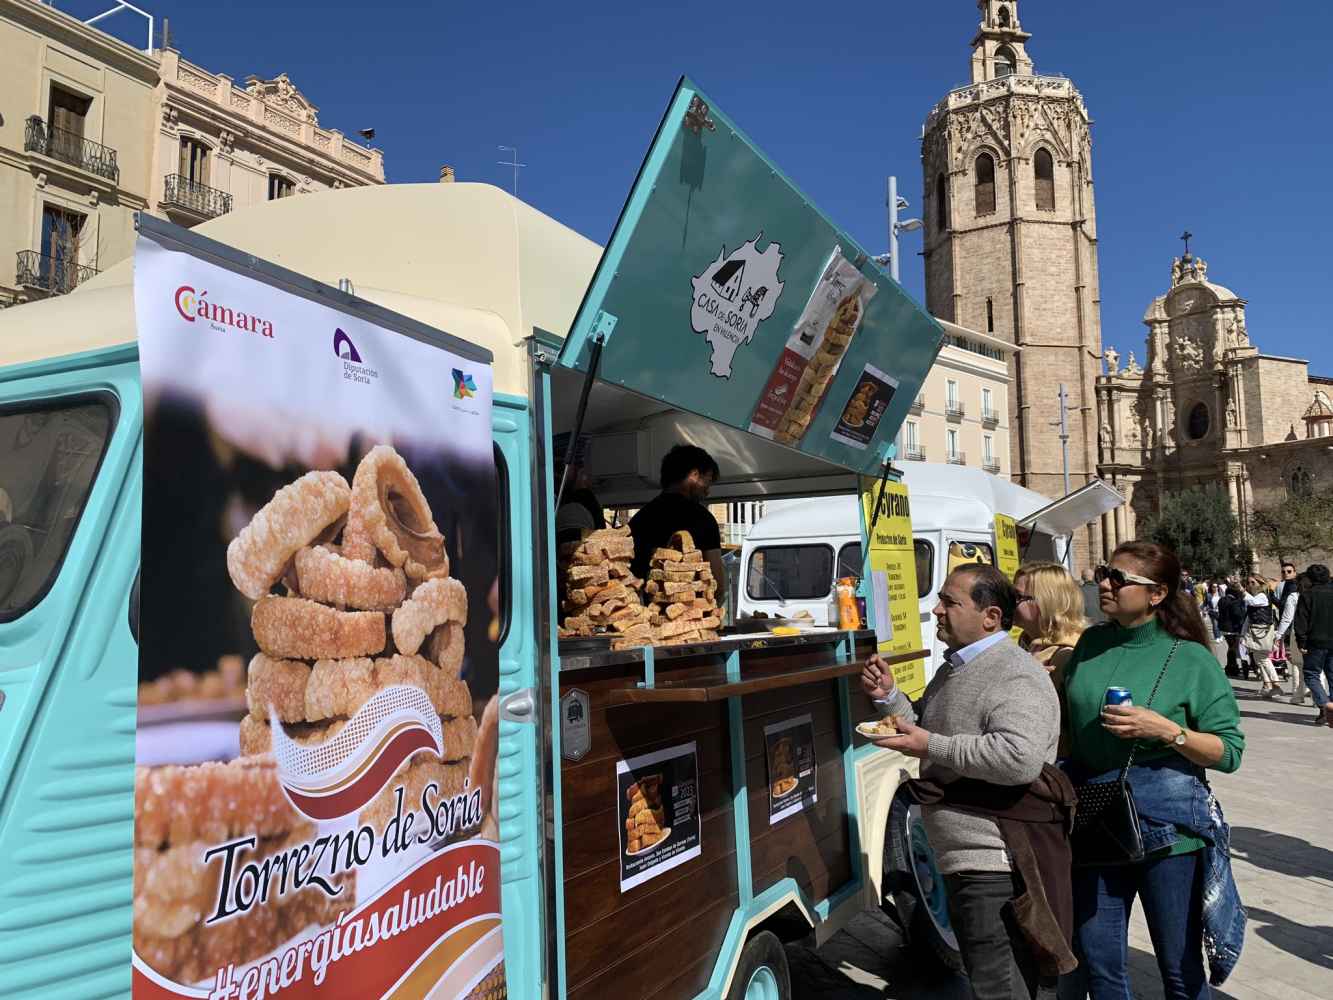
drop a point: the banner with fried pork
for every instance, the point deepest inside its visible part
(315, 809)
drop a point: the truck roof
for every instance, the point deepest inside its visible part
(468, 259)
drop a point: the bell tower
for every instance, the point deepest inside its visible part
(1011, 243)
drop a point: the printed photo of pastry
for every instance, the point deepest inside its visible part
(644, 825)
(783, 777)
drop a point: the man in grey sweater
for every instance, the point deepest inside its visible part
(990, 713)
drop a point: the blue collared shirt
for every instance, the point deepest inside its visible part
(964, 656)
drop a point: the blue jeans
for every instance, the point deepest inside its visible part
(1171, 890)
(1318, 671)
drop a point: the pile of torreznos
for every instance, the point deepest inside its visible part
(603, 596)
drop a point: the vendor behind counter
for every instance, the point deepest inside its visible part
(688, 473)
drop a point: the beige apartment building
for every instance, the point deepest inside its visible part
(93, 130)
(962, 414)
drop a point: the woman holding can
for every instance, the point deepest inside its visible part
(1183, 719)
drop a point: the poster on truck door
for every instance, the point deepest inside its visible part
(315, 796)
(893, 584)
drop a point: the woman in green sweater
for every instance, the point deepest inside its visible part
(1192, 723)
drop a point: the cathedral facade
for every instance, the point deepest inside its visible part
(1208, 407)
(1011, 246)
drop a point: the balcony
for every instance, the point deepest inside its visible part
(70, 147)
(918, 404)
(954, 410)
(914, 454)
(50, 274)
(991, 465)
(990, 418)
(957, 458)
(192, 198)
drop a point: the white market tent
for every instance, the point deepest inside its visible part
(467, 259)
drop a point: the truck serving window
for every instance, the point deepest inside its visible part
(790, 573)
(49, 455)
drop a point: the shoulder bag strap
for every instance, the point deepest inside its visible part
(1124, 771)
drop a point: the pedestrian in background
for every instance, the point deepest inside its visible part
(1231, 614)
(1286, 638)
(1288, 585)
(1314, 636)
(1184, 718)
(1260, 630)
(1092, 608)
(1213, 595)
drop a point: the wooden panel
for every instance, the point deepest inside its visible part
(691, 944)
(719, 688)
(661, 911)
(823, 718)
(820, 867)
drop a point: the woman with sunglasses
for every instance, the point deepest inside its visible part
(1154, 639)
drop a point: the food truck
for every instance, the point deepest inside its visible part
(286, 707)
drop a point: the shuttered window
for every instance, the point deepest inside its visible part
(194, 161)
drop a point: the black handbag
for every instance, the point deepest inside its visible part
(1106, 821)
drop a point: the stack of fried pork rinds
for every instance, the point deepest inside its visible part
(369, 604)
(601, 591)
(683, 594)
(181, 813)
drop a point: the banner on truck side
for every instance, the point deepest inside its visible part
(1006, 545)
(315, 809)
(893, 592)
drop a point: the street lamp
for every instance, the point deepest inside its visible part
(896, 203)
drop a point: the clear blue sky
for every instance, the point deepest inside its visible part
(1211, 116)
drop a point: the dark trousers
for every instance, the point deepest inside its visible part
(1234, 665)
(1171, 891)
(997, 957)
(1318, 671)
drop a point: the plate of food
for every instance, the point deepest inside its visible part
(878, 728)
(784, 786)
(647, 843)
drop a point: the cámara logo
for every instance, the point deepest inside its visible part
(344, 348)
(192, 306)
(464, 387)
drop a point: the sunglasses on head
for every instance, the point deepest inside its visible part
(1119, 578)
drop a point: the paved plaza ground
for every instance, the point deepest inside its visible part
(1280, 807)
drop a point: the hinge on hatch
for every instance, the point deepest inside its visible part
(603, 325)
(696, 116)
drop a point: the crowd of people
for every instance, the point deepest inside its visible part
(1064, 776)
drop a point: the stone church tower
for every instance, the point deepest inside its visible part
(1011, 243)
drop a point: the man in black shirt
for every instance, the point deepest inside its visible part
(688, 473)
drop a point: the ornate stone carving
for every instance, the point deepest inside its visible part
(206, 85)
(1132, 367)
(1189, 353)
(280, 93)
(170, 117)
(1237, 335)
(226, 141)
(1176, 272)
(1112, 361)
(1233, 418)
(1105, 436)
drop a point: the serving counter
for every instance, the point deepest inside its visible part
(744, 745)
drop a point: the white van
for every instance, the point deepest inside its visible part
(793, 556)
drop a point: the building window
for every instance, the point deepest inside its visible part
(985, 181)
(987, 449)
(194, 161)
(986, 407)
(67, 114)
(942, 203)
(62, 235)
(951, 444)
(1302, 482)
(910, 438)
(1044, 169)
(1004, 16)
(1006, 63)
(990, 315)
(1198, 423)
(951, 394)
(279, 187)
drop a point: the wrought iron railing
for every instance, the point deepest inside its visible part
(990, 417)
(915, 454)
(71, 147)
(958, 458)
(992, 466)
(918, 404)
(954, 409)
(51, 273)
(202, 200)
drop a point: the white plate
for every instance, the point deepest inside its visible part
(666, 833)
(867, 729)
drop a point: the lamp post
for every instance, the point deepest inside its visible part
(896, 203)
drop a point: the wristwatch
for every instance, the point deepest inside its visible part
(1178, 740)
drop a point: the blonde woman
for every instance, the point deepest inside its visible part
(1050, 613)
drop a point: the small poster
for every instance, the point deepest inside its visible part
(658, 806)
(792, 772)
(893, 580)
(1006, 545)
(861, 414)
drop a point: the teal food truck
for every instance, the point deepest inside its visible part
(285, 707)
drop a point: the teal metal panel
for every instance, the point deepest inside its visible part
(519, 757)
(69, 673)
(712, 228)
(740, 791)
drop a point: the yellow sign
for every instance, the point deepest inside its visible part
(1006, 545)
(893, 588)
